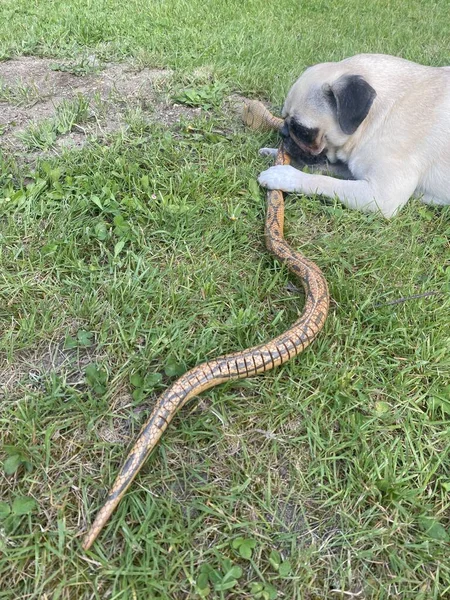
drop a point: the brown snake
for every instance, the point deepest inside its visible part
(238, 365)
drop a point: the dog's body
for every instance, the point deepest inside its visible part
(384, 118)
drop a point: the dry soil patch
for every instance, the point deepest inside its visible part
(31, 89)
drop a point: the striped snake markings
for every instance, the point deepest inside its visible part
(238, 365)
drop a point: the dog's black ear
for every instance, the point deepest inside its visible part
(351, 96)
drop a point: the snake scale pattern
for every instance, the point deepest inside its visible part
(239, 365)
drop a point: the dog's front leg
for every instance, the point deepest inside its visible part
(323, 167)
(362, 195)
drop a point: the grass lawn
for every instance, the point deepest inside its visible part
(139, 254)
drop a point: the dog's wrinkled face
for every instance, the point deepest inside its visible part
(302, 143)
(323, 109)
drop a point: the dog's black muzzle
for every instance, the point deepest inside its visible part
(299, 155)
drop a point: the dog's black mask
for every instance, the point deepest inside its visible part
(297, 154)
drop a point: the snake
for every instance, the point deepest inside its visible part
(237, 365)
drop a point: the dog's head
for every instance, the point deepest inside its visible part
(323, 109)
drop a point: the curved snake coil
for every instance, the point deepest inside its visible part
(238, 365)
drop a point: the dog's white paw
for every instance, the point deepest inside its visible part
(268, 152)
(281, 177)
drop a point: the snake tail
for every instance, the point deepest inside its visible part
(238, 365)
(256, 116)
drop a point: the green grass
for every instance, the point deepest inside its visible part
(127, 262)
(20, 95)
(42, 135)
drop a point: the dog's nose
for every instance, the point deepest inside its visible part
(284, 131)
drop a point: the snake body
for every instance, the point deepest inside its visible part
(238, 365)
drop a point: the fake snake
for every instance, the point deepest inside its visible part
(238, 365)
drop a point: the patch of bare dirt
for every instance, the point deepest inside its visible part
(32, 88)
(30, 369)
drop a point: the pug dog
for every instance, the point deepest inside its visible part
(381, 124)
